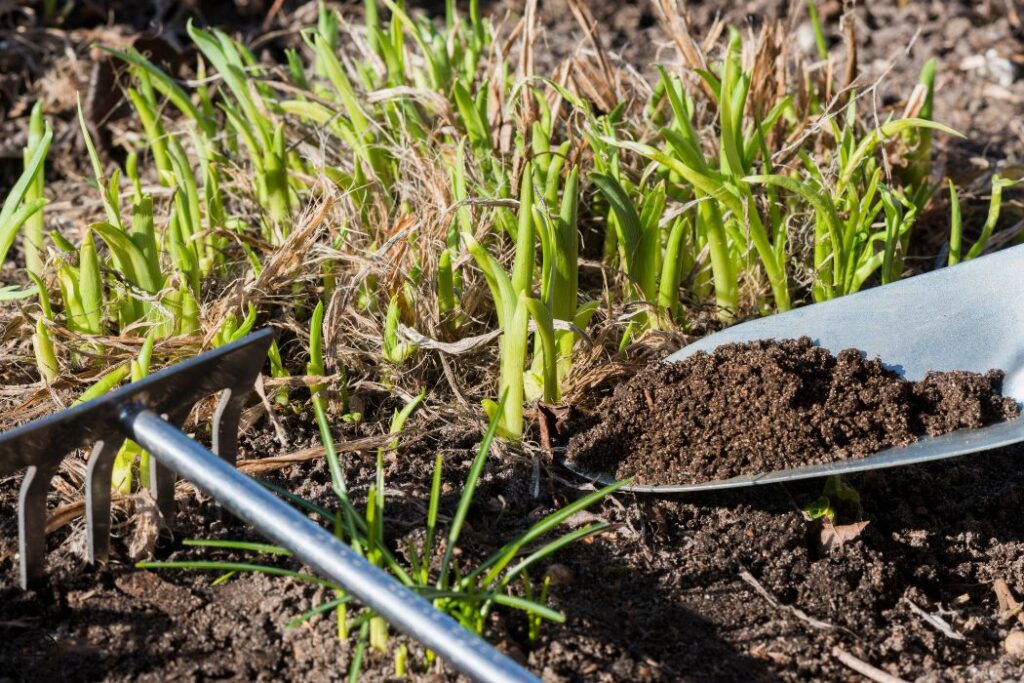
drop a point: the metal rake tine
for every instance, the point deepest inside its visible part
(32, 523)
(97, 497)
(38, 447)
(226, 421)
(162, 478)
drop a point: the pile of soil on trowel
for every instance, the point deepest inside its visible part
(770, 405)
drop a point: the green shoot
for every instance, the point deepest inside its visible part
(994, 206)
(956, 229)
(35, 226)
(25, 198)
(121, 479)
(315, 367)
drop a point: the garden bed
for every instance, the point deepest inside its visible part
(913, 570)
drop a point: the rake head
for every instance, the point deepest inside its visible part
(103, 425)
(150, 413)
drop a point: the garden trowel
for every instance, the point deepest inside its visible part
(965, 317)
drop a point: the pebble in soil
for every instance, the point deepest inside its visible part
(770, 405)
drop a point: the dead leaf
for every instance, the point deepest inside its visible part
(833, 536)
(552, 420)
(148, 523)
(464, 345)
(657, 523)
(582, 518)
(138, 584)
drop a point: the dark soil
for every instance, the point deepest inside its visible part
(662, 598)
(771, 405)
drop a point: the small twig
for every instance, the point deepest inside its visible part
(298, 381)
(18, 623)
(649, 399)
(268, 21)
(1000, 239)
(936, 622)
(795, 611)
(1008, 605)
(452, 382)
(260, 465)
(863, 668)
(66, 514)
(849, 24)
(585, 18)
(282, 435)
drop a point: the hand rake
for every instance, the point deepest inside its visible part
(150, 412)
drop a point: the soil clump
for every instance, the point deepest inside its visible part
(771, 405)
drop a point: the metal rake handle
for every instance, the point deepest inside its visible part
(150, 413)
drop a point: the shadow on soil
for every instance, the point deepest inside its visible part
(640, 625)
(37, 642)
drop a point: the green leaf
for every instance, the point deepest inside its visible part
(14, 293)
(476, 125)
(432, 511)
(206, 565)
(994, 206)
(497, 562)
(628, 222)
(822, 203)
(153, 127)
(955, 226)
(649, 255)
(546, 332)
(529, 606)
(12, 224)
(90, 284)
(12, 214)
(131, 261)
(222, 54)
(875, 137)
(394, 349)
(551, 548)
(502, 291)
(523, 266)
(466, 499)
(104, 384)
(265, 548)
(167, 86)
(35, 223)
(46, 358)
